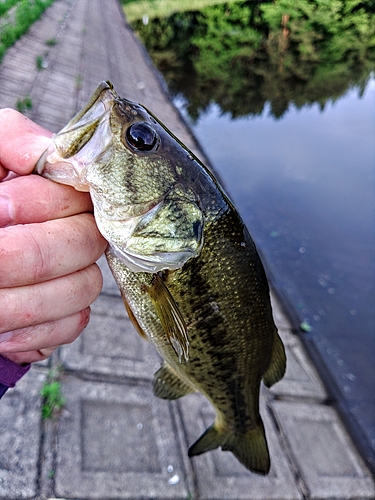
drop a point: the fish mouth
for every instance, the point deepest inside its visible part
(80, 142)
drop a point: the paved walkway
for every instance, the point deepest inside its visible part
(114, 439)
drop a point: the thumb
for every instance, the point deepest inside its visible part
(21, 143)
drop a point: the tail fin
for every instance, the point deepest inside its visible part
(250, 449)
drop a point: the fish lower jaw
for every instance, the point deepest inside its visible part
(57, 169)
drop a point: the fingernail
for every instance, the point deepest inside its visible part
(5, 336)
(6, 211)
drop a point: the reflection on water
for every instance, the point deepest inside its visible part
(248, 55)
(300, 166)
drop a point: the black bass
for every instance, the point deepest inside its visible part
(188, 271)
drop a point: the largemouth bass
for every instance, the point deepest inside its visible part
(188, 271)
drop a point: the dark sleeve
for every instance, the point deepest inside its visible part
(10, 373)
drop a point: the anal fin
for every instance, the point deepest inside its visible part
(168, 385)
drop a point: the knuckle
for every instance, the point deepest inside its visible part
(45, 352)
(38, 255)
(82, 319)
(94, 280)
(20, 308)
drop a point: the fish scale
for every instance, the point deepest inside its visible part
(189, 273)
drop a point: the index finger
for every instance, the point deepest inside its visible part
(22, 142)
(32, 198)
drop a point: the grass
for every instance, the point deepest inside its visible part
(25, 104)
(39, 61)
(79, 82)
(51, 392)
(135, 10)
(7, 5)
(51, 42)
(25, 14)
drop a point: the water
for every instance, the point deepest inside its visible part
(304, 185)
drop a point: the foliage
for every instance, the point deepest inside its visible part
(26, 13)
(24, 104)
(6, 5)
(53, 399)
(51, 42)
(243, 55)
(39, 62)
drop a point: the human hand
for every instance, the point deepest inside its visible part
(49, 243)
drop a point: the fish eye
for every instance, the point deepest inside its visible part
(141, 136)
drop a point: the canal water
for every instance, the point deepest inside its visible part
(298, 163)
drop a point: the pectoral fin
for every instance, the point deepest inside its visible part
(133, 319)
(170, 317)
(276, 369)
(167, 385)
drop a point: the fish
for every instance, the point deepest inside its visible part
(189, 273)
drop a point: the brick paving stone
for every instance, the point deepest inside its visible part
(20, 436)
(20, 60)
(279, 316)
(119, 442)
(323, 452)
(301, 378)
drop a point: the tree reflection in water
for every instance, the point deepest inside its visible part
(241, 55)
